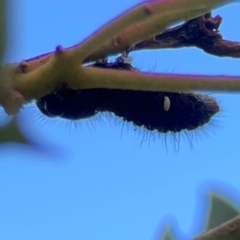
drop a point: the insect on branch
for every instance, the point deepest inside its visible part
(41, 75)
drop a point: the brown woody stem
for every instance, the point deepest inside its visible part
(227, 231)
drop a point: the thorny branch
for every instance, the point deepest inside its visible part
(34, 78)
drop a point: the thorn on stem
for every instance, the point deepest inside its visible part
(23, 66)
(148, 10)
(59, 49)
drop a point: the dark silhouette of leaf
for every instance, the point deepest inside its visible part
(220, 211)
(167, 235)
(10, 133)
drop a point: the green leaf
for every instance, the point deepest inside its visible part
(220, 211)
(10, 133)
(167, 234)
(2, 28)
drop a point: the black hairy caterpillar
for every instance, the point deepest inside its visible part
(160, 111)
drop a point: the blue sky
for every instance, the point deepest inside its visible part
(99, 179)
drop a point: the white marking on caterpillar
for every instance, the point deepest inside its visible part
(167, 103)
